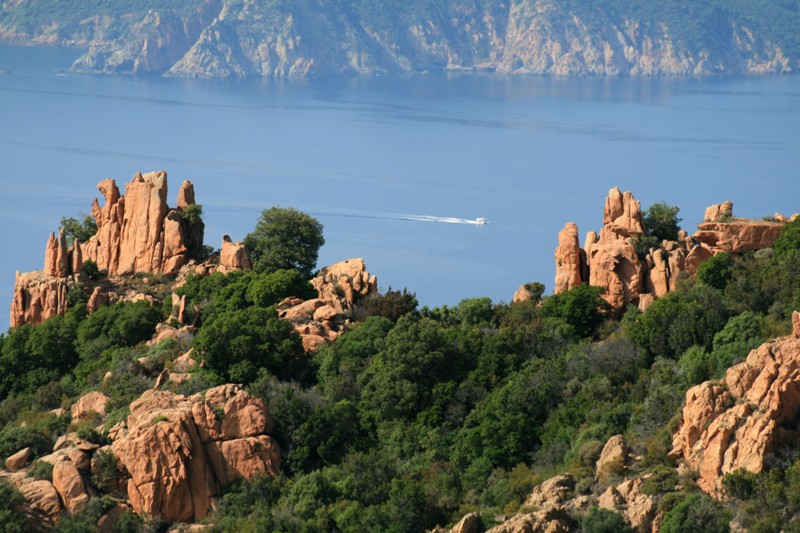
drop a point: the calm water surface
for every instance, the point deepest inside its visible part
(375, 159)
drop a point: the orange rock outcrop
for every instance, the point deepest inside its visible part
(340, 286)
(179, 451)
(138, 232)
(609, 260)
(736, 422)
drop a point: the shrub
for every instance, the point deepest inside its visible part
(41, 470)
(581, 307)
(12, 512)
(661, 221)
(78, 229)
(697, 512)
(599, 520)
(717, 271)
(90, 269)
(192, 213)
(789, 239)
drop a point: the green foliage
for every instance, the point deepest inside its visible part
(12, 513)
(581, 307)
(697, 512)
(238, 343)
(661, 221)
(269, 288)
(41, 470)
(391, 304)
(599, 520)
(285, 238)
(90, 269)
(78, 229)
(789, 239)
(193, 213)
(717, 271)
(89, 434)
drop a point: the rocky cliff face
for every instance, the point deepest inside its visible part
(230, 38)
(736, 422)
(610, 259)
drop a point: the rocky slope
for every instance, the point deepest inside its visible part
(268, 38)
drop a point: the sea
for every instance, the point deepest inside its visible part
(397, 169)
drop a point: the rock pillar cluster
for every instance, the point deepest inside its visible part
(610, 259)
(138, 232)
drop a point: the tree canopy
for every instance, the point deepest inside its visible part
(285, 238)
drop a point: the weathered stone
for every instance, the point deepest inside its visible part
(569, 259)
(70, 486)
(612, 458)
(227, 412)
(740, 235)
(548, 520)
(19, 459)
(92, 402)
(796, 323)
(38, 297)
(244, 457)
(470, 523)
(614, 265)
(628, 500)
(185, 195)
(718, 211)
(696, 257)
(233, 255)
(623, 214)
(554, 491)
(522, 295)
(737, 422)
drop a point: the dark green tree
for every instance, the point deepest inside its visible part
(661, 221)
(285, 238)
(717, 271)
(698, 512)
(789, 239)
(600, 520)
(78, 229)
(581, 307)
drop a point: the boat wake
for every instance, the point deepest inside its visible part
(480, 221)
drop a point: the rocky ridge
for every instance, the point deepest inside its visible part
(609, 260)
(227, 38)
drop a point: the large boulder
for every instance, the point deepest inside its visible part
(614, 265)
(180, 451)
(738, 421)
(637, 508)
(91, 402)
(739, 235)
(233, 255)
(69, 484)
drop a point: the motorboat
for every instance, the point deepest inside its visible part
(481, 220)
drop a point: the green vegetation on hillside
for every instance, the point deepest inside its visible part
(415, 417)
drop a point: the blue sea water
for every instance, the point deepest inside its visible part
(381, 161)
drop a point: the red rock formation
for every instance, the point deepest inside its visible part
(663, 267)
(340, 286)
(178, 450)
(138, 232)
(636, 507)
(739, 235)
(91, 402)
(735, 422)
(718, 211)
(614, 265)
(38, 297)
(70, 486)
(570, 259)
(233, 255)
(623, 214)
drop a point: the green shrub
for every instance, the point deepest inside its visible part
(12, 509)
(285, 238)
(599, 520)
(789, 239)
(581, 307)
(717, 271)
(78, 229)
(697, 512)
(41, 470)
(192, 213)
(90, 269)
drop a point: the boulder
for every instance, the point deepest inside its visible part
(19, 459)
(470, 523)
(614, 265)
(92, 402)
(623, 214)
(738, 421)
(179, 451)
(44, 505)
(522, 295)
(612, 458)
(570, 259)
(342, 284)
(554, 491)
(549, 520)
(740, 235)
(696, 257)
(718, 212)
(233, 255)
(69, 484)
(628, 500)
(38, 297)
(796, 324)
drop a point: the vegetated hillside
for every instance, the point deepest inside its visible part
(412, 418)
(278, 38)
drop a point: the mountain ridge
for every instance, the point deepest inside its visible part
(315, 38)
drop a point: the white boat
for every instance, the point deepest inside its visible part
(481, 220)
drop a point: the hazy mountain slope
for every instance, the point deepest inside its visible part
(299, 38)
